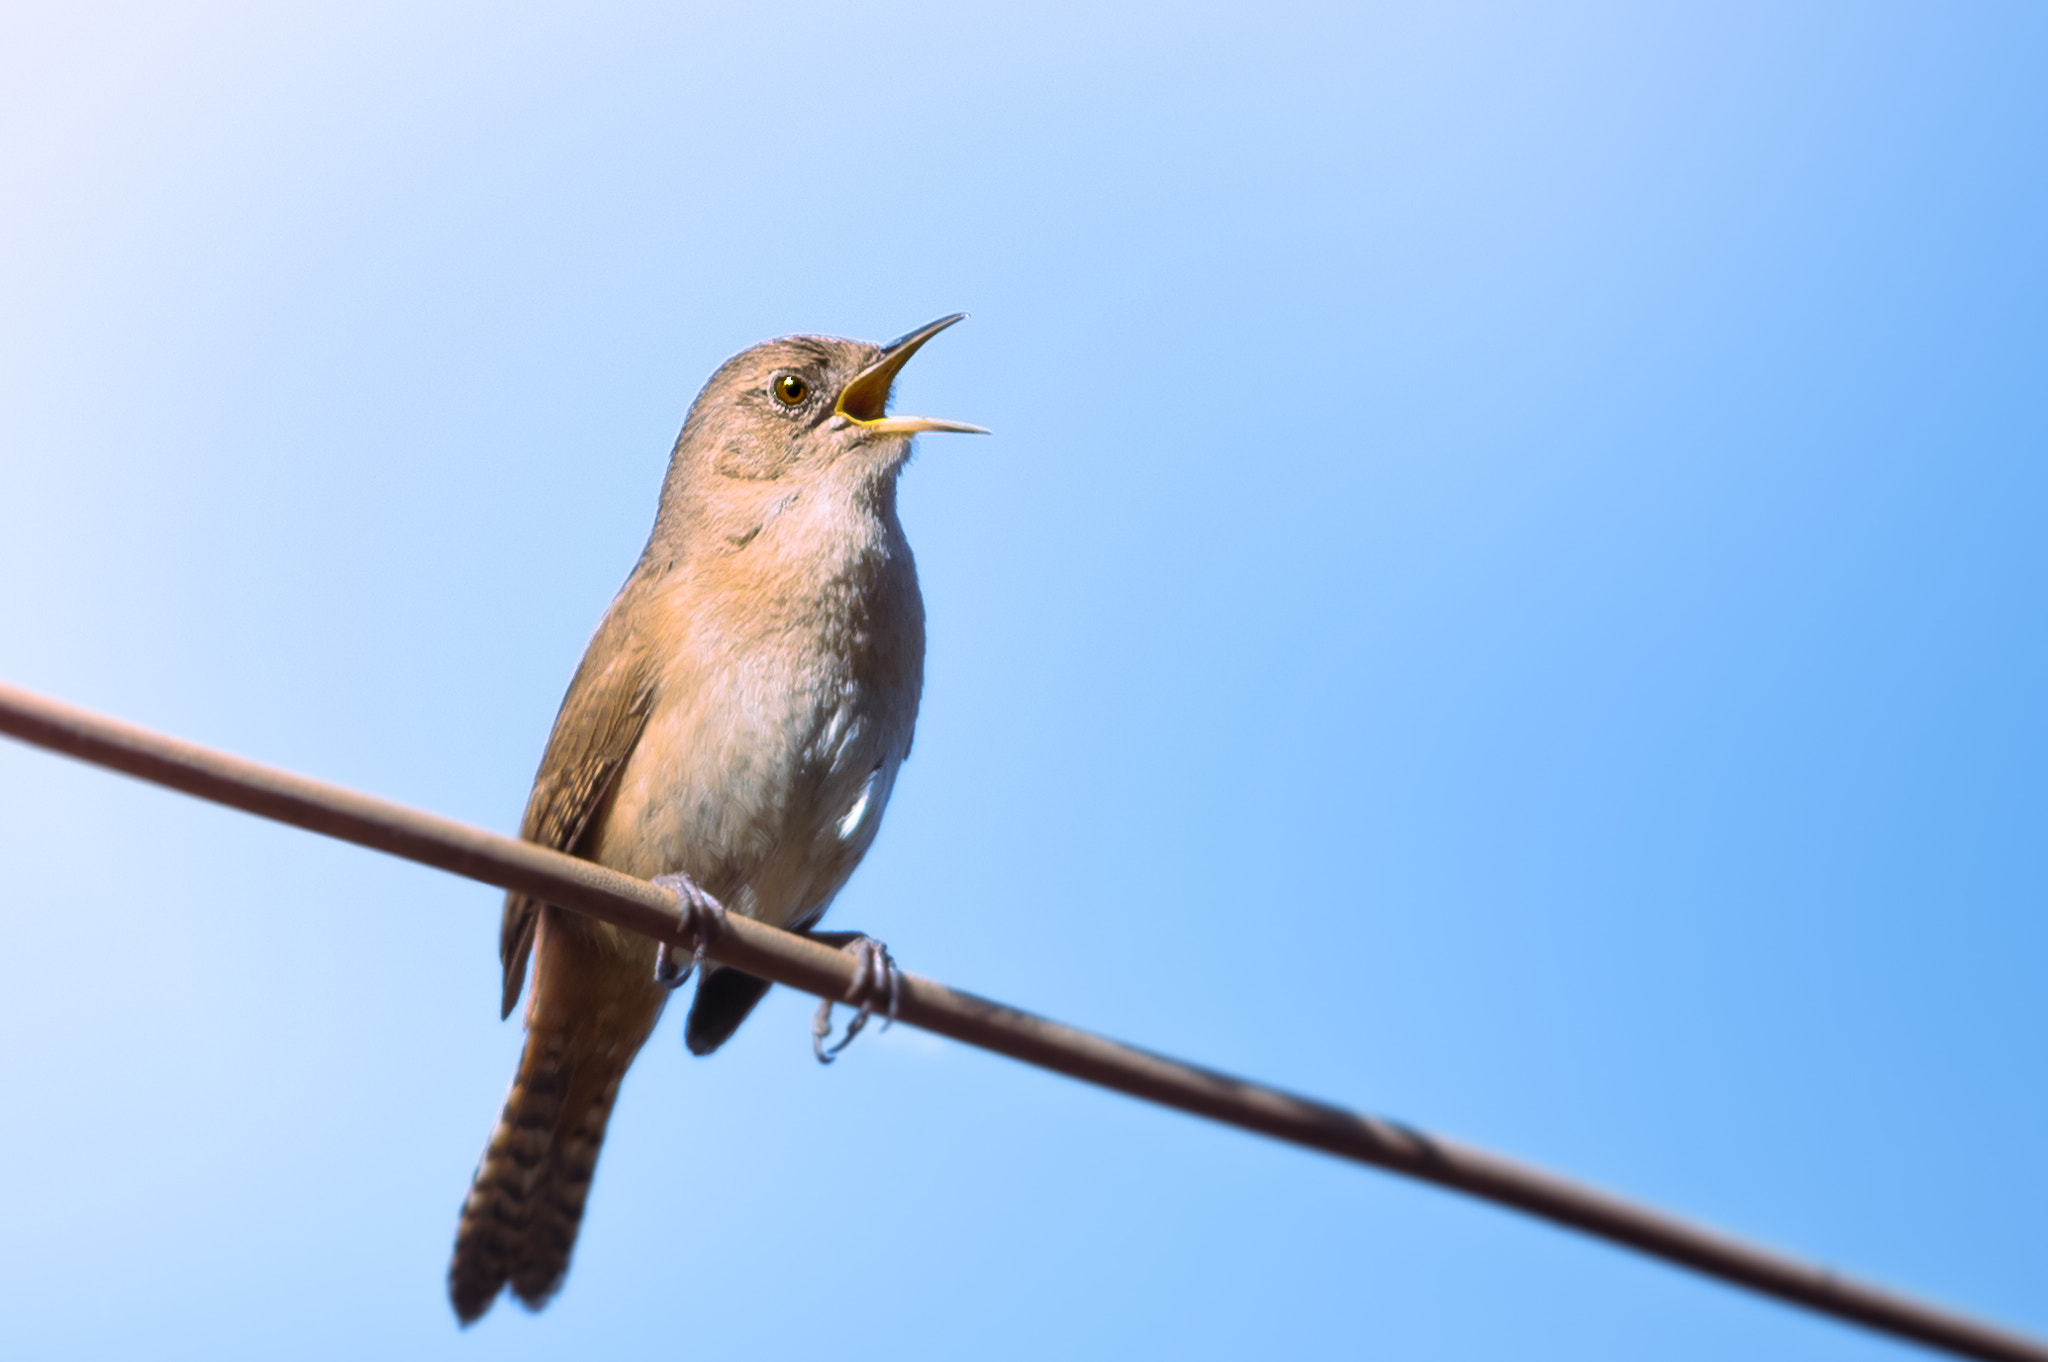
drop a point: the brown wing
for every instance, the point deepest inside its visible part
(600, 721)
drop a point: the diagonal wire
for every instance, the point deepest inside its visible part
(792, 960)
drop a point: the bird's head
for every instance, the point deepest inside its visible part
(801, 409)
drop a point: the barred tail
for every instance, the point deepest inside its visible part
(519, 1223)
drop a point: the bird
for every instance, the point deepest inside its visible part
(733, 732)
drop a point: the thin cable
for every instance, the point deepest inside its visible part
(789, 959)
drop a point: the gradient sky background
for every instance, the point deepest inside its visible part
(1507, 591)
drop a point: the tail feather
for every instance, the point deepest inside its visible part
(557, 1203)
(519, 1222)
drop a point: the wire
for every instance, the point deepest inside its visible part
(788, 959)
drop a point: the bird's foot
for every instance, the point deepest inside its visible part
(702, 915)
(877, 985)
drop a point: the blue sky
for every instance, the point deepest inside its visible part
(1506, 592)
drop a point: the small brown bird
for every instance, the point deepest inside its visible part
(734, 729)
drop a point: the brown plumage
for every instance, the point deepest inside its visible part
(738, 718)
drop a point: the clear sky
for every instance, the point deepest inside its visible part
(1507, 591)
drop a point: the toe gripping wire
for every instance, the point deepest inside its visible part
(702, 915)
(877, 984)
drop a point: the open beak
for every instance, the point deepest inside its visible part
(864, 400)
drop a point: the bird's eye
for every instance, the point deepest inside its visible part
(789, 390)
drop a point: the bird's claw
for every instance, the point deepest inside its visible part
(877, 985)
(702, 915)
